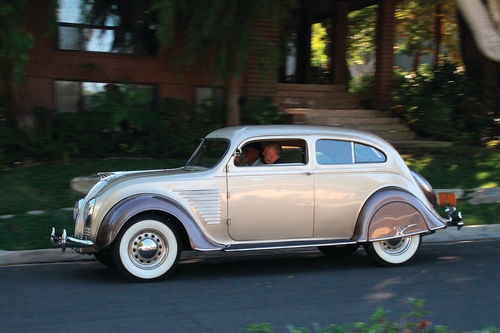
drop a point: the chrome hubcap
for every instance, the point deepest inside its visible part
(148, 249)
(396, 246)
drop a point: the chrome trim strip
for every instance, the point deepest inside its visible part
(287, 246)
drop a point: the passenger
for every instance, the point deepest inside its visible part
(252, 154)
(272, 154)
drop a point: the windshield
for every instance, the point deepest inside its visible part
(209, 153)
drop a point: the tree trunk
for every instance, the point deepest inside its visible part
(416, 60)
(233, 93)
(482, 26)
(485, 72)
(438, 33)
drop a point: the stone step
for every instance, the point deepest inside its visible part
(395, 135)
(347, 121)
(387, 131)
(402, 144)
(315, 94)
(325, 103)
(311, 87)
(340, 113)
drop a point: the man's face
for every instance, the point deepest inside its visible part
(251, 154)
(270, 155)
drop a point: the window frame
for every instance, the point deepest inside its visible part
(353, 152)
(338, 140)
(279, 140)
(370, 146)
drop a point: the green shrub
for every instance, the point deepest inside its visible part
(363, 86)
(262, 111)
(411, 322)
(122, 123)
(446, 104)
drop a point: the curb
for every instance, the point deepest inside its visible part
(467, 233)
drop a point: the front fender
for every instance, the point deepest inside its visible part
(129, 207)
(393, 213)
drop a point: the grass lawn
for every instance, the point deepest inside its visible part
(46, 187)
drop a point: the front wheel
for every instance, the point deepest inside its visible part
(394, 252)
(146, 250)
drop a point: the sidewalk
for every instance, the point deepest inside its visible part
(467, 233)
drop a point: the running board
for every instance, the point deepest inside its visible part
(286, 245)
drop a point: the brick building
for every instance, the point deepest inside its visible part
(67, 67)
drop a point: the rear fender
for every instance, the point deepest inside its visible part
(393, 213)
(126, 209)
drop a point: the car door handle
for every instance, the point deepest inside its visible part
(308, 173)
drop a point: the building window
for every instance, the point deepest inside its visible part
(73, 96)
(208, 97)
(80, 28)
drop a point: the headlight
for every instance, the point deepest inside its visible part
(88, 211)
(76, 209)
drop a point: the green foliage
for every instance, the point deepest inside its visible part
(261, 112)
(123, 123)
(379, 323)
(363, 86)
(224, 27)
(15, 41)
(318, 45)
(361, 35)
(416, 28)
(445, 104)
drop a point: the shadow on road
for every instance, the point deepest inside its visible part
(212, 266)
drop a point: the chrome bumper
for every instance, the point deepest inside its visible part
(64, 241)
(454, 218)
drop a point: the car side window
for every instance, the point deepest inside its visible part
(266, 152)
(333, 152)
(367, 154)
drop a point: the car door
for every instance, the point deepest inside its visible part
(270, 201)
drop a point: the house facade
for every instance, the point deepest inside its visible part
(78, 60)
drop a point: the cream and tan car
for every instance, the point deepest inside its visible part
(250, 188)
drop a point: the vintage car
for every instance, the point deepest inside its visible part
(327, 187)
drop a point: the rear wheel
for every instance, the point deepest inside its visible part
(147, 249)
(394, 252)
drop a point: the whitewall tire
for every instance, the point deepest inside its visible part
(146, 249)
(394, 252)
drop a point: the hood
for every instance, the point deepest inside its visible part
(111, 179)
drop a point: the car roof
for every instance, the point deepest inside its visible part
(239, 133)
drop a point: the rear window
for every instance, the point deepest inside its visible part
(332, 152)
(367, 154)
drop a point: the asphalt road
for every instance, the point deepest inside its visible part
(459, 282)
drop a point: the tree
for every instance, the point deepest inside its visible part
(424, 27)
(484, 23)
(15, 43)
(218, 34)
(224, 27)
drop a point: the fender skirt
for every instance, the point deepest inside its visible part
(393, 213)
(124, 210)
